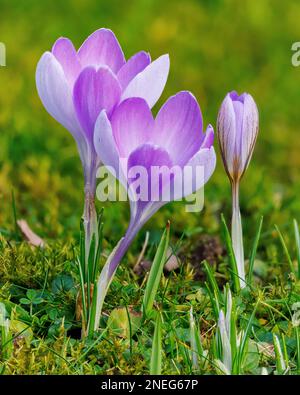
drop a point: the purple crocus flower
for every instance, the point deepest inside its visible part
(237, 133)
(75, 86)
(174, 139)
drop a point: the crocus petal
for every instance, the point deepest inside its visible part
(56, 97)
(105, 146)
(195, 173)
(64, 51)
(178, 127)
(227, 133)
(209, 137)
(132, 67)
(93, 92)
(150, 83)
(132, 124)
(102, 48)
(140, 167)
(238, 108)
(249, 130)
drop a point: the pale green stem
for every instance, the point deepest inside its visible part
(237, 234)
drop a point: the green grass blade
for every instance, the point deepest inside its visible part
(297, 335)
(286, 251)
(243, 346)
(15, 215)
(98, 253)
(297, 237)
(214, 301)
(253, 251)
(156, 272)
(233, 264)
(280, 362)
(196, 345)
(92, 313)
(82, 250)
(212, 281)
(156, 354)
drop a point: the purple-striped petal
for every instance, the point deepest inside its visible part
(146, 189)
(105, 146)
(209, 137)
(56, 96)
(132, 124)
(227, 132)
(178, 127)
(150, 83)
(102, 48)
(64, 51)
(249, 130)
(195, 174)
(93, 92)
(132, 67)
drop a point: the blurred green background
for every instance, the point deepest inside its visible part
(214, 46)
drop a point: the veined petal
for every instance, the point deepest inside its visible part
(150, 83)
(56, 97)
(93, 92)
(144, 182)
(102, 48)
(227, 133)
(249, 130)
(178, 127)
(64, 51)
(105, 145)
(132, 124)
(132, 67)
(196, 172)
(209, 137)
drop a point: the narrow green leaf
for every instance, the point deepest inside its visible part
(15, 216)
(82, 288)
(233, 264)
(98, 252)
(156, 354)
(92, 312)
(82, 249)
(196, 345)
(280, 362)
(243, 346)
(214, 301)
(286, 251)
(156, 272)
(253, 251)
(297, 237)
(297, 330)
(212, 281)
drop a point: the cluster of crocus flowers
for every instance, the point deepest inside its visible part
(75, 86)
(105, 102)
(237, 132)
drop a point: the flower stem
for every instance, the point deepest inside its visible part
(110, 267)
(237, 234)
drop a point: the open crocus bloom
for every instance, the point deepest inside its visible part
(75, 86)
(173, 139)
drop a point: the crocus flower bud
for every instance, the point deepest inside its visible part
(237, 132)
